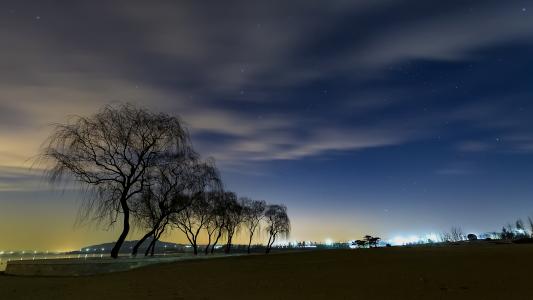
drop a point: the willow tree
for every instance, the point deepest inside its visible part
(277, 224)
(109, 154)
(219, 216)
(205, 182)
(253, 213)
(164, 196)
(233, 218)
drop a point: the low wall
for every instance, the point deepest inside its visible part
(90, 266)
(79, 267)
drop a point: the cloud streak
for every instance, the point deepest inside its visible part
(239, 74)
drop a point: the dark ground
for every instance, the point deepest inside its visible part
(456, 272)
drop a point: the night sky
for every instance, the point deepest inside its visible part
(381, 117)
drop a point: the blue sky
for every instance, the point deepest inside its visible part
(383, 116)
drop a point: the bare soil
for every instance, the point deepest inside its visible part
(455, 272)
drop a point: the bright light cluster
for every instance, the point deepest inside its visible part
(414, 239)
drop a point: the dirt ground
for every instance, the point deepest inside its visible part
(455, 272)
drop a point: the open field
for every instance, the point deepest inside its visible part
(459, 272)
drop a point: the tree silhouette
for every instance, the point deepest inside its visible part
(278, 224)
(233, 219)
(109, 154)
(457, 234)
(217, 223)
(521, 229)
(530, 222)
(371, 241)
(191, 220)
(471, 237)
(360, 243)
(367, 238)
(164, 195)
(507, 233)
(374, 241)
(253, 213)
(212, 226)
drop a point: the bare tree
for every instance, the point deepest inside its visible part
(530, 222)
(233, 219)
(521, 229)
(507, 232)
(278, 224)
(163, 196)
(445, 237)
(253, 213)
(457, 234)
(215, 223)
(219, 216)
(191, 220)
(109, 154)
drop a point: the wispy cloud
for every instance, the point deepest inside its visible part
(239, 74)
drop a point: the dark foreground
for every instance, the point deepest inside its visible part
(460, 272)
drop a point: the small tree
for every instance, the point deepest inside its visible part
(163, 197)
(278, 224)
(371, 241)
(530, 222)
(191, 220)
(212, 225)
(253, 213)
(360, 243)
(233, 219)
(367, 238)
(217, 223)
(507, 233)
(374, 241)
(445, 237)
(471, 237)
(109, 154)
(457, 234)
(521, 230)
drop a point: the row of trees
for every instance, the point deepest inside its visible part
(455, 234)
(518, 230)
(140, 168)
(511, 231)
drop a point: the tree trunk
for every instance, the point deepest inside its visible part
(148, 249)
(125, 229)
(271, 241)
(157, 236)
(216, 241)
(250, 242)
(139, 243)
(208, 243)
(153, 248)
(228, 245)
(268, 244)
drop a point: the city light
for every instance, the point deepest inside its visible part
(414, 239)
